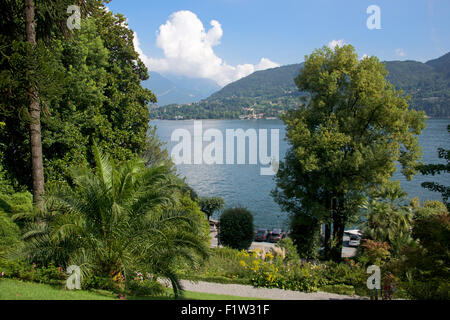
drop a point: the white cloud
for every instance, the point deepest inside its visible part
(364, 56)
(334, 43)
(400, 52)
(188, 50)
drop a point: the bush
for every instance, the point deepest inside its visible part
(297, 278)
(144, 286)
(305, 233)
(236, 228)
(9, 233)
(339, 289)
(23, 270)
(291, 250)
(423, 268)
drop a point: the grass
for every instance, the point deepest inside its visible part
(19, 290)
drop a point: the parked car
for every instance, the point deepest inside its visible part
(212, 226)
(354, 241)
(261, 235)
(276, 235)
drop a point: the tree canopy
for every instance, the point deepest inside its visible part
(345, 140)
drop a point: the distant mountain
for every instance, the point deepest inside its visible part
(172, 89)
(270, 83)
(270, 92)
(441, 65)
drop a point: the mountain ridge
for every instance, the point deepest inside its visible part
(269, 93)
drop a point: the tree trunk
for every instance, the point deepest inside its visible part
(37, 168)
(327, 238)
(338, 235)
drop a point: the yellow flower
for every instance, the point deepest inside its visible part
(242, 263)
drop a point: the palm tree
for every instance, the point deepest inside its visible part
(389, 218)
(117, 220)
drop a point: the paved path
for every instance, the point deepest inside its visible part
(261, 293)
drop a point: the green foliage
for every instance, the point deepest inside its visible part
(291, 249)
(211, 205)
(305, 233)
(144, 286)
(223, 265)
(27, 271)
(374, 252)
(13, 207)
(9, 233)
(339, 289)
(236, 228)
(423, 266)
(120, 218)
(296, 277)
(91, 90)
(348, 137)
(388, 218)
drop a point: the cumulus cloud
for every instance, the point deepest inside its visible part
(334, 43)
(400, 52)
(188, 50)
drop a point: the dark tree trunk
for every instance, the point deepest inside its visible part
(327, 240)
(37, 168)
(338, 233)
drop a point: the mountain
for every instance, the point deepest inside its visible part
(271, 83)
(269, 93)
(441, 65)
(172, 89)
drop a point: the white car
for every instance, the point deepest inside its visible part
(354, 242)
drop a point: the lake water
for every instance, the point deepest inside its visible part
(243, 185)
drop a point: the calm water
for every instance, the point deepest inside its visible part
(242, 185)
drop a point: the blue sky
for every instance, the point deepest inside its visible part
(282, 31)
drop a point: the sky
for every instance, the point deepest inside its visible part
(225, 40)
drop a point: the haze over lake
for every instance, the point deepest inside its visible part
(243, 185)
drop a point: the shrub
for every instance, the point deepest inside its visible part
(339, 289)
(278, 275)
(375, 252)
(305, 233)
(291, 250)
(9, 232)
(424, 268)
(20, 269)
(236, 228)
(144, 286)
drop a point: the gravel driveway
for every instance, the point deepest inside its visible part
(261, 293)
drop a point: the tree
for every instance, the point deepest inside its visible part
(89, 88)
(424, 267)
(438, 169)
(35, 113)
(345, 140)
(236, 228)
(389, 218)
(29, 29)
(211, 205)
(120, 219)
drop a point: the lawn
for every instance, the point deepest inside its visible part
(19, 290)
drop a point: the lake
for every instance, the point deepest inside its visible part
(243, 185)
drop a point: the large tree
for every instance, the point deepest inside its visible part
(29, 30)
(346, 138)
(89, 87)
